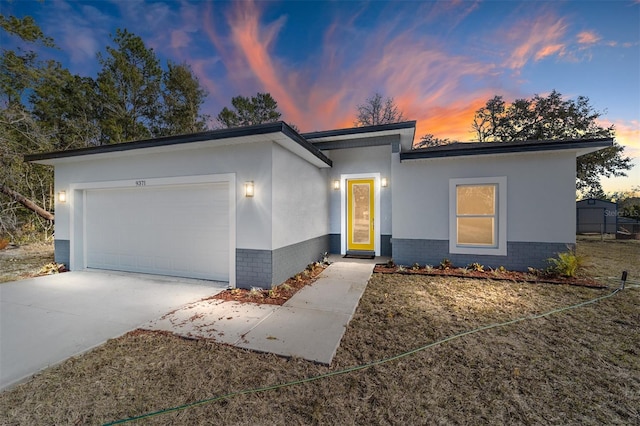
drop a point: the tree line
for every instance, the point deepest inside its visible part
(44, 107)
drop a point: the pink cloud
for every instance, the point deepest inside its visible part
(535, 39)
(627, 135)
(253, 41)
(179, 39)
(426, 82)
(549, 50)
(588, 37)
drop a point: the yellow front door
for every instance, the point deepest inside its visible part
(360, 215)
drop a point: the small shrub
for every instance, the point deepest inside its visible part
(428, 267)
(446, 264)
(390, 264)
(476, 267)
(535, 272)
(256, 292)
(498, 271)
(464, 271)
(415, 266)
(566, 264)
(285, 287)
(51, 268)
(402, 269)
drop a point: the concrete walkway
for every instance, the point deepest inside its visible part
(310, 325)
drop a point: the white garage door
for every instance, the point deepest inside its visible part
(177, 230)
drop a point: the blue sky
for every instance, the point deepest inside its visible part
(440, 61)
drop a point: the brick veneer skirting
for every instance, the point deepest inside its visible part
(266, 268)
(520, 255)
(62, 251)
(385, 244)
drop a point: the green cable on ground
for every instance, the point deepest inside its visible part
(362, 366)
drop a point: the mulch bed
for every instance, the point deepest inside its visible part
(496, 275)
(279, 294)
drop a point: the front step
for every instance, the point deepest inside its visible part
(360, 254)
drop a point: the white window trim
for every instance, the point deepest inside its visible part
(501, 249)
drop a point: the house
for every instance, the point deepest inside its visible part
(596, 216)
(255, 205)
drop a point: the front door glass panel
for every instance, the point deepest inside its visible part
(360, 215)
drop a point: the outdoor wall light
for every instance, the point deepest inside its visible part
(248, 189)
(62, 197)
(336, 184)
(384, 182)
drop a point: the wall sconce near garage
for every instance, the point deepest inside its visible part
(384, 182)
(249, 189)
(336, 184)
(62, 197)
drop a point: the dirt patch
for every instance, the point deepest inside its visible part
(575, 367)
(279, 294)
(19, 262)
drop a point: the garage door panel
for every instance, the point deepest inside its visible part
(170, 230)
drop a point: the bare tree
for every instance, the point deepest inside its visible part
(429, 140)
(377, 110)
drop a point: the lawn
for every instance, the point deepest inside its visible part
(580, 366)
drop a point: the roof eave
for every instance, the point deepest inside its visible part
(580, 148)
(298, 144)
(350, 132)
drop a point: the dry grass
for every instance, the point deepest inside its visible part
(577, 367)
(24, 261)
(609, 257)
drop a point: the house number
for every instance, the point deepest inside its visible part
(141, 183)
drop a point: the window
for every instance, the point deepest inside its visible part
(478, 216)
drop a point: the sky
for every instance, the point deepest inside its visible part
(440, 61)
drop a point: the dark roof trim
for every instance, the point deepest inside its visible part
(357, 143)
(260, 129)
(585, 200)
(357, 130)
(295, 136)
(485, 148)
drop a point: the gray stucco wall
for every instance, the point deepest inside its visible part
(359, 161)
(266, 268)
(520, 255)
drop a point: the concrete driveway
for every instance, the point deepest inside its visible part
(45, 320)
